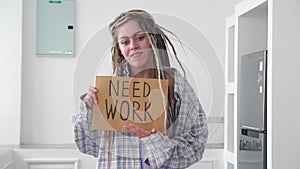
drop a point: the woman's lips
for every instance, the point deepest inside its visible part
(136, 54)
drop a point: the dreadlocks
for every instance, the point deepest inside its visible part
(157, 38)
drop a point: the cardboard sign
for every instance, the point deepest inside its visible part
(124, 100)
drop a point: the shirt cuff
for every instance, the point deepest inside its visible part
(156, 148)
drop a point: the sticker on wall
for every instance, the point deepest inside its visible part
(55, 2)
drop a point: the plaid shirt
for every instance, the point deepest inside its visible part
(182, 148)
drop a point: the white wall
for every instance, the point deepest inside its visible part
(10, 70)
(47, 104)
(285, 84)
(47, 100)
(44, 115)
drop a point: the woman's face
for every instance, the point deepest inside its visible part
(135, 46)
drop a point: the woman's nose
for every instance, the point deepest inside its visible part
(134, 44)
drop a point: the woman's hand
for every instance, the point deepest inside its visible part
(90, 98)
(138, 131)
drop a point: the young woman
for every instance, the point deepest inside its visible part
(140, 49)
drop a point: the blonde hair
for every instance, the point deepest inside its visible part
(157, 38)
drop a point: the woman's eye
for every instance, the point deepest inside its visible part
(124, 43)
(139, 38)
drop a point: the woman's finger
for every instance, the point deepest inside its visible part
(88, 99)
(92, 93)
(94, 97)
(138, 131)
(93, 89)
(153, 131)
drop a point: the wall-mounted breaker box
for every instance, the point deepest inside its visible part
(55, 27)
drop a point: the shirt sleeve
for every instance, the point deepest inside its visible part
(86, 140)
(188, 144)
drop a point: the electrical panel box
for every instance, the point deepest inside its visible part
(55, 27)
